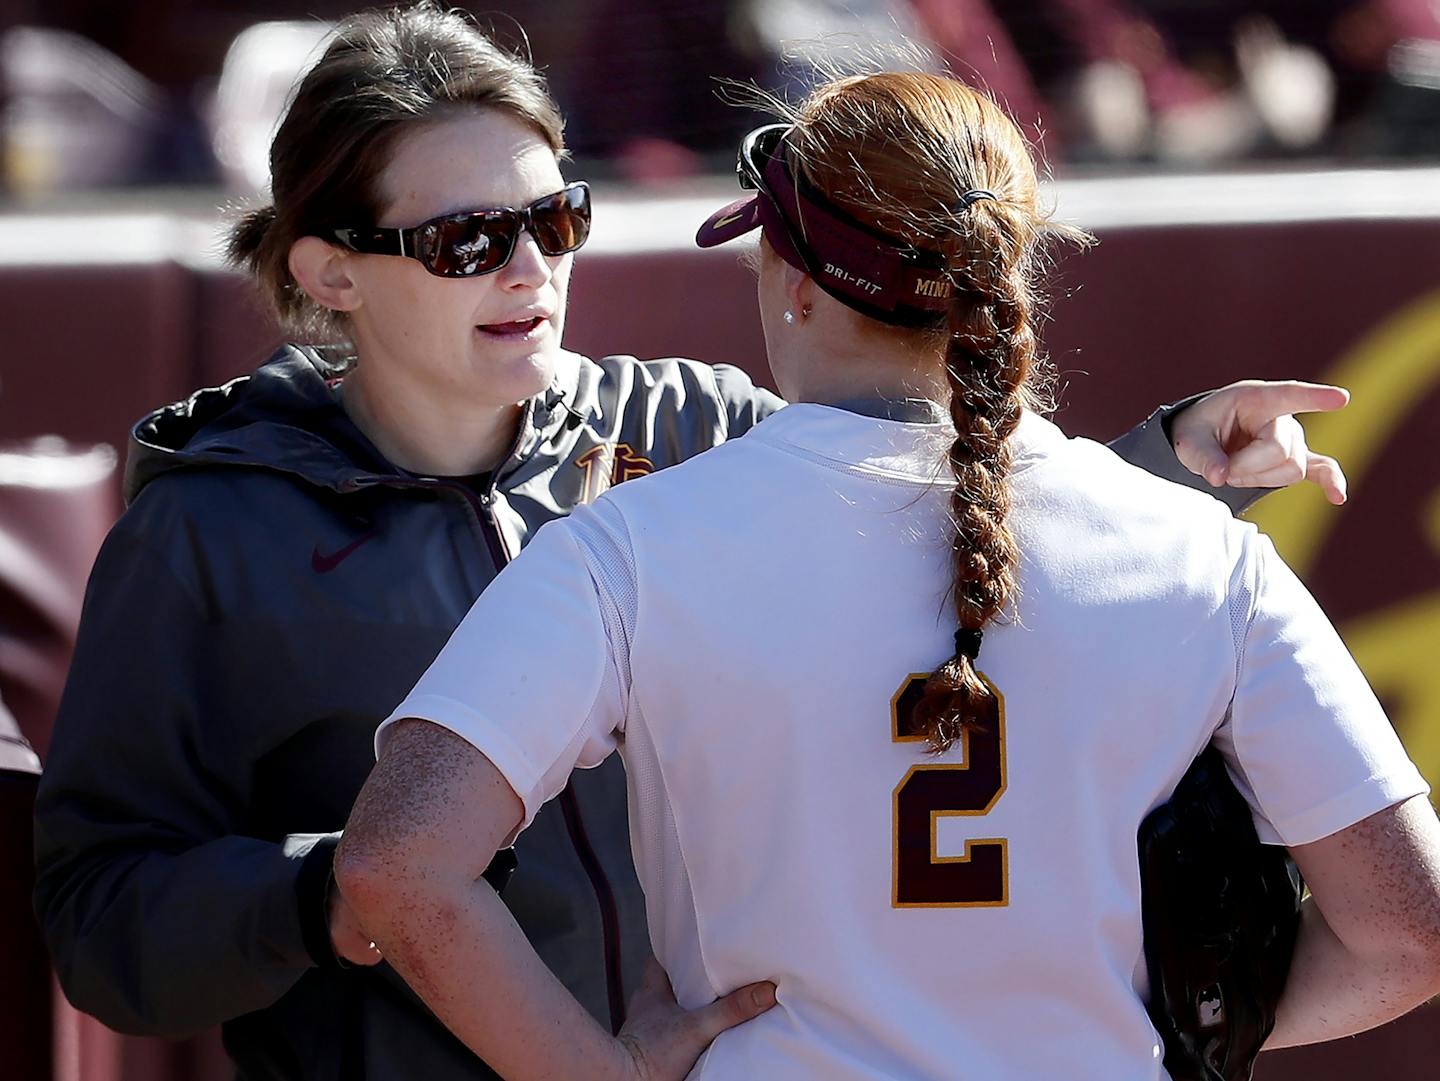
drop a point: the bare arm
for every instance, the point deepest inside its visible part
(1369, 944)
(425, 826)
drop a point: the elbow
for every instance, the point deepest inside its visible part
(122, 1017)
(90, 970)
(368, 878)
(389, 887)
(115, 1000)
(378, 879)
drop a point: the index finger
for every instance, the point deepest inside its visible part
(1293, 396)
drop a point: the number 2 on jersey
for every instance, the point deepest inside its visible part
(927, 793)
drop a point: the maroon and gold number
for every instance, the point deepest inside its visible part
(923, 879)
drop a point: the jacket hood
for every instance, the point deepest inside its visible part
(282, 417)
(285, 417)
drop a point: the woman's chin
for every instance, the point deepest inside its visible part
(517, 374)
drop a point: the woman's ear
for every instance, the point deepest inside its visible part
(799, 291)
(322, 270)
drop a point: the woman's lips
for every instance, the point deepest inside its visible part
(517, 330)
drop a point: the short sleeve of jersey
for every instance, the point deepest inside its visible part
(536, 676)
(1312, 749)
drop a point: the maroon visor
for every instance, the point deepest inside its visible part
(863, 269)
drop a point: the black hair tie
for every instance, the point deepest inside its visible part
(967, 643)
(974, 195)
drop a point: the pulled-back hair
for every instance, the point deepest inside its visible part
(383, 74)
(898, 151)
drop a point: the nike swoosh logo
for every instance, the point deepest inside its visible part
(727, 220)
(324, 564)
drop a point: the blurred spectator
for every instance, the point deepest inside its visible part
(261, 66)
(1387, 54)
(76, 116)
(639, 91)
(1336, 76)
(812, 40)
(1135, 80)
(977, 46)
(649, 76)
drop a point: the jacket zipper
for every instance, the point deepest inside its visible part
(483, 508)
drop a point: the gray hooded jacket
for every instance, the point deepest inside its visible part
(273, 590)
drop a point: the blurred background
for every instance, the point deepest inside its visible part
(180, 93)
(1264, 180)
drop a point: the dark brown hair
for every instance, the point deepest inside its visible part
(384, 73)
(899, 150)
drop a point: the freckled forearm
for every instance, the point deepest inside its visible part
(463, 953)
(1374, 952)
(1333, 992)
(423, 828)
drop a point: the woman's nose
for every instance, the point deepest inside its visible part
(528, 265)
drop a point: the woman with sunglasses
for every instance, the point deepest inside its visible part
(300, 543)
(901, 773)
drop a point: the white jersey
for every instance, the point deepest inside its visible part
(749, 627)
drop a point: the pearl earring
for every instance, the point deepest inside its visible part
(790, 317)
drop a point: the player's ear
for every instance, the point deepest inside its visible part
(799, 290)
(322, 269)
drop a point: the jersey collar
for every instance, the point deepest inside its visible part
(911, 449)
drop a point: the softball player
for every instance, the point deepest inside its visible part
(890, 731)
